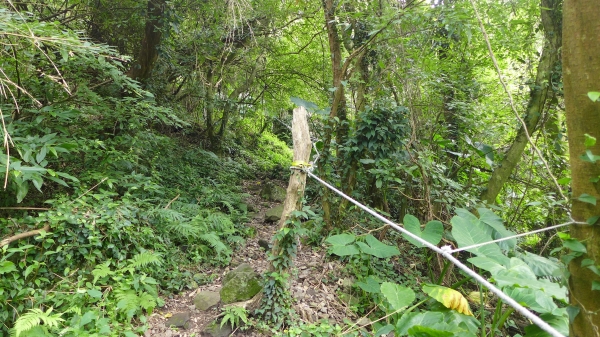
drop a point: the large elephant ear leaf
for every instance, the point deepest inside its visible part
(450, 298)
(432, 232)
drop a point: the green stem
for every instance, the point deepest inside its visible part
(504, 317)
(496, 317)
(481, 311)
(461, 282)
(444, 270)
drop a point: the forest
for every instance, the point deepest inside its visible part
(422, 168)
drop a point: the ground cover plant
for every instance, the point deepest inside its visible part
(131, 136)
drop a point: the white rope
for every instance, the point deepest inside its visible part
(572, 222)
(445, 252)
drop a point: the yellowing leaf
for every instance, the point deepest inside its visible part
(167, 315)
(450, 298)
(475, 297)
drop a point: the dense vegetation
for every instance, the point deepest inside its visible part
(128, 128)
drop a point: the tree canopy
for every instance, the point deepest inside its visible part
(131, 131)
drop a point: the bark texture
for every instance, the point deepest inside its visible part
(295, 189)
(148, 54)
(540, 93)
(581, 72)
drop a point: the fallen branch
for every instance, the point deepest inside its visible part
(7, 241)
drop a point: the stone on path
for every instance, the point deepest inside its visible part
(240, 284)
(179, 320)
(272, 192)
(274, 214)
(205, 300)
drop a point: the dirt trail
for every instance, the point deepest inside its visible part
(314, 299)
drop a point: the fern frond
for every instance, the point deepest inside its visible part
(187, 229)
(166, 214)
(145, 258)
(128, 300)
(101, 270)
(34, 317)
(220, 223)
(147, 302)
(215, 242)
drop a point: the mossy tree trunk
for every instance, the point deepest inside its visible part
(581, 72)
(541, 91)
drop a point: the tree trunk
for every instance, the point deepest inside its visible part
(338, 105)
(148, 54)
(551, 21)
(581, 73)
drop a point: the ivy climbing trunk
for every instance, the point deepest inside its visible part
(295, 189)
(581, 73)
(540, 92)
(148, 53)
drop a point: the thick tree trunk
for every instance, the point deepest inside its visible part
(581, 71)
(148, 54)
(338, 105)
(551, 21)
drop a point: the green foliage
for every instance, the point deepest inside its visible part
(343, 245)
(34, 317)
(234, 316)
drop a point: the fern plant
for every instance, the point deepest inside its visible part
(33, 318)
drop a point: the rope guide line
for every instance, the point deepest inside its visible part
(447, 253)
(572, 222)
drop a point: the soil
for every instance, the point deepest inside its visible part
(315, 297)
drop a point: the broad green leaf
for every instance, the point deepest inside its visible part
(588, 156)
(540, 265)
(344, 250)
(593, 219)
(427, 318)
(7, 267)
(94, 293)
(574, 245)
(595, 285)
(377, 248)
(589, 140)
(341, 239)
(369, 285)
(491, 219)
(467, 233)
(68, 176)
(449, 297)
(594, 95)
(486, 263)
(534, 299)
(384, 330)
(424, 331)
(22, 190)
(560, 323)
(432, 233)
(398, 296)
(367, 161)
(590, 199)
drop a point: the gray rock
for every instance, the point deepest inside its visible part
(214, 329)
(240, 284)
(274, 214)
(205, 300)
(273, 192)
(179, 320)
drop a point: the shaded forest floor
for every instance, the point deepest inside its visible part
(312, 287)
